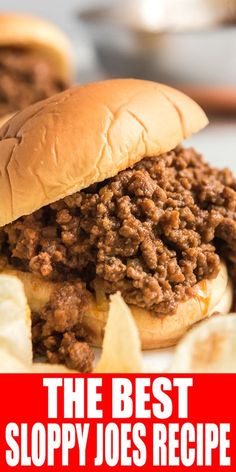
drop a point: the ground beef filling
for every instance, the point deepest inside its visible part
(151, 232)
(25, 78)
(57, 331)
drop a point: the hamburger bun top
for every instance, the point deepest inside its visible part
(5, 118)
(24, 31)
(87, 134)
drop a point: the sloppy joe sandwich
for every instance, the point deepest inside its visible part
(35, 62)
(98, 196)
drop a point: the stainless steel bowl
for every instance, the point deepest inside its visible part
(176, 41)
(155, 16)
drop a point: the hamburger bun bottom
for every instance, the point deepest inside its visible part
(156, 331)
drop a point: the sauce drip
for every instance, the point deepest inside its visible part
(203, 296)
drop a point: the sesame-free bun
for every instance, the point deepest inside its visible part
(156, 331)
(30, 32)
(86, 134)
(5, 118)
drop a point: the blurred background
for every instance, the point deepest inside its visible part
(190, 44)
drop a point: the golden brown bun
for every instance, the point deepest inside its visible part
(163, 331)
(5, 118)
(35, 33)
(84, 135)
(155, 331)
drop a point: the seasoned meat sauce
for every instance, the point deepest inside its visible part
(151, 232)
(25, 78)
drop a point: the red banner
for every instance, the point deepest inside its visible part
(117, 421)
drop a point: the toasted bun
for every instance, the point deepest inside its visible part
(34, 33)
(87, 134)
(155, 331)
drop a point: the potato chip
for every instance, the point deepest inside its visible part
(121, 346)
(209, 347)
(15, 321)
(9, 364)
(15, 332)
